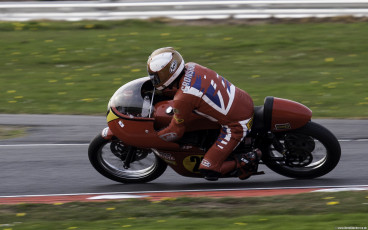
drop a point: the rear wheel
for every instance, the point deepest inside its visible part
(309, 152)
(123, 163)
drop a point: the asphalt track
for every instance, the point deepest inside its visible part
(52, 159)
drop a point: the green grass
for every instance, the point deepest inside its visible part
(74, 67)
(8, 132)
(304, 211)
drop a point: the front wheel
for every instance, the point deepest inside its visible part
(122, 163)
(309, 152)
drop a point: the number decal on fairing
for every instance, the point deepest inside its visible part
(192, 163)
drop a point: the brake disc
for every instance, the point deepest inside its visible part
(299, 150)
(119, 149)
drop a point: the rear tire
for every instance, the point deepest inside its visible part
(107, 161)
(315, 139)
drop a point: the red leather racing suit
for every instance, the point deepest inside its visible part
(203, 91)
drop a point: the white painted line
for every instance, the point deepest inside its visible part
(115, 197)
(41, 145)
(83, 144)
(353, 140)
(195, 190)
(361, 140)
(341, 189)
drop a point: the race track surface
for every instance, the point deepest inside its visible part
(52, 159)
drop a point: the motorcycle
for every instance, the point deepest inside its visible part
(129, 150)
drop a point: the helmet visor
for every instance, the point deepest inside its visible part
(155, 79)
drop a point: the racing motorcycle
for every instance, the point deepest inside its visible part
(129, 150)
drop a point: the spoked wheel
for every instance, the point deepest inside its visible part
(125, 164)
(309, 152)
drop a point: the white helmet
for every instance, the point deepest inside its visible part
(164, 65)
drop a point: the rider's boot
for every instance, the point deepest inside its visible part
(226, 167)
(210, 174)
(247, 163)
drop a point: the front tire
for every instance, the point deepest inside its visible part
(107, 157)
(309, 152)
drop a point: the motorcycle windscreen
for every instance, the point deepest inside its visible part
(128, 99)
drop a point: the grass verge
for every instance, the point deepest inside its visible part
(74, 67)
(303, 211)
(8, 132)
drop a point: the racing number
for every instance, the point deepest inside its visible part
(192, 163)
(197, 161)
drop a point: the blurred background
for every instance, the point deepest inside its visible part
(185, 9)
(68, 57)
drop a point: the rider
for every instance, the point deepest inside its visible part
(202, 91)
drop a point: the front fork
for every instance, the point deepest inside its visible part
(264, 144)
(129, 156)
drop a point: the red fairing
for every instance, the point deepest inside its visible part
(287, 114)
(141, 132)
(138, 132)
(185, 162)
